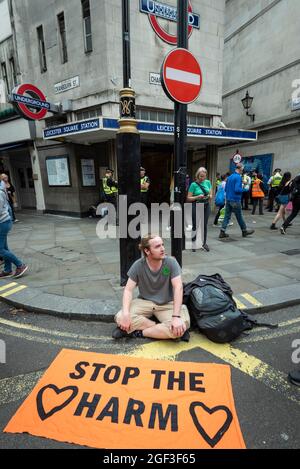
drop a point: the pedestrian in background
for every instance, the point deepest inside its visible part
(220, 198)
(10, 191)
(273, 184)
(200, 192)
(233, 194)
(5, 227)
(295, 198)
(282, 198)
(246, 191)
(258, 194)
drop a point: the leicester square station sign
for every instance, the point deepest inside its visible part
(156, 10)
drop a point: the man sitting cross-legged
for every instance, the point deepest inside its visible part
(158, 278)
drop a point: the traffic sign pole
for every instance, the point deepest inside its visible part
(180, 150)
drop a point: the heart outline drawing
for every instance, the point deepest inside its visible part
(39, 400)
(220, 433)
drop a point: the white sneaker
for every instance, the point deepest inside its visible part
(189, 228)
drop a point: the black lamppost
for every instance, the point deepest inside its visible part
(247, 103)
(128, 154)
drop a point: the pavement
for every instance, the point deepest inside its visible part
(74, 274)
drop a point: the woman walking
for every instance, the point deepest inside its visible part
(200, 192)
(10, 191)
(282, 198)
(5, 226)
(295, 198)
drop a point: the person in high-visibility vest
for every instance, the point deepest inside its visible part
(274, 183)
(145, 183)
(258, 194)
(110, 187)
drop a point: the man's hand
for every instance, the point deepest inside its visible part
(178, 327)
(124, 322)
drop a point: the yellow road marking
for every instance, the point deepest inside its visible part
(239, 304)
(244, 362)
(14, 290)
(9, 285)
(41, 330)
(251, 299)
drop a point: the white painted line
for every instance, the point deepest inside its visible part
(181, 75)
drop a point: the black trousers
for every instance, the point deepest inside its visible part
(295, 211)
(245, 200)
(256, 201)
(218, 214)
(272, 194)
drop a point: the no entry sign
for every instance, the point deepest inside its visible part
(181, 76)
(30, 101)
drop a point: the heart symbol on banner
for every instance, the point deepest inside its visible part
(39, 399)
(220, 433)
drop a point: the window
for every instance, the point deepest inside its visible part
(13, 71)
(42, 50)
(4, 76)
(62, 37)
(88, 113)
(87, 25)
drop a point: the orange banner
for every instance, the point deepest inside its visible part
(113, 401)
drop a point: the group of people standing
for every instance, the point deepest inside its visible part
(234, 193)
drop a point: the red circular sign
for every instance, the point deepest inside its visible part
(33, 92)
(181, 76)
(163, 34)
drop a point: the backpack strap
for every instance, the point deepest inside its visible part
(255, 323)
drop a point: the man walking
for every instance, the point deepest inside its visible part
(158, 278)
(234, 190)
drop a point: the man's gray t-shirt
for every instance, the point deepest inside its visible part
(155, 286)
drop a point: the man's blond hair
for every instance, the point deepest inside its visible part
(145, 242)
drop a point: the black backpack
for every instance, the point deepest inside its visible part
(215, 313)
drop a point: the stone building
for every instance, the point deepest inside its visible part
(72, 51)
(262, 57)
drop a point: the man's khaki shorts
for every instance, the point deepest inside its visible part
(146, 309)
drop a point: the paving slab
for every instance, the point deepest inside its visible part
(73, 272)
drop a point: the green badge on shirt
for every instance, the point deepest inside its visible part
(166, 271)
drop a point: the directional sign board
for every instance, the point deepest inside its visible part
(181, 76)
(30, 102)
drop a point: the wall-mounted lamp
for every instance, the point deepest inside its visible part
(247, 103)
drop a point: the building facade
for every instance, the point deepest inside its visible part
(72, 51)
(262, 56)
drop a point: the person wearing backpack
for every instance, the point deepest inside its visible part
(295, 198)
(220, 198)
(200, 192)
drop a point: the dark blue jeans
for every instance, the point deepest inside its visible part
(5, 253)
(236, 208)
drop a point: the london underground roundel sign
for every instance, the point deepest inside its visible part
(30, 101)
(156, 9)
(181, 76)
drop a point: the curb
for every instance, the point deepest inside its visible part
(33, 300)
